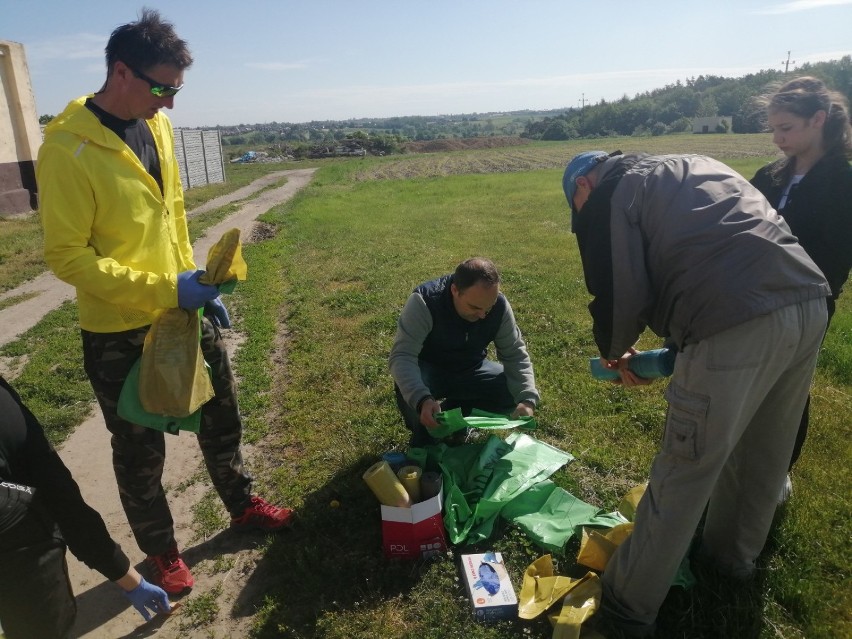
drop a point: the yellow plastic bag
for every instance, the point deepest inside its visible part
(225, 260)
(581, 603)
(630, 502)
(569, 602)
(597, 547)
(542, 588)
(173, 379)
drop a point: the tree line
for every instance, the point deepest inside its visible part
(669, 109)
(672, 108)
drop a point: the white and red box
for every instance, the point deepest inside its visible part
(489, 587)
(416, 532)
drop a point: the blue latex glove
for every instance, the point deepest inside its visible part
(218, 314)
(145, 597)
(192, 294)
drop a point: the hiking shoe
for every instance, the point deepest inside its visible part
(261, 515)
(169, 572)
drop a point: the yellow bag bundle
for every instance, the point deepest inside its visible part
(173, 377)
(225, 260)
(543, 590)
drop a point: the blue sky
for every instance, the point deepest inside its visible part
(295, 61)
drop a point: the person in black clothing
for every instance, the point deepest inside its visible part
(812, 186)
(42, 510)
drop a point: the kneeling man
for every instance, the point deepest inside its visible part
(438, 359)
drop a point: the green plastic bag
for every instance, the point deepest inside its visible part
(450, 421)
(550, 515)
(481, 479)
(130, 408)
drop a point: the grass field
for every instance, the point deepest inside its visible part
(322, 300)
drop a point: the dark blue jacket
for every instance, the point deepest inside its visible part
(455, 343)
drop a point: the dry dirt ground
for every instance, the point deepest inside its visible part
(223, 564)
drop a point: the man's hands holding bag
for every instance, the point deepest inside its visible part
(192, 294)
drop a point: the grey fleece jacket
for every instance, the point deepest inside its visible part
(695, 250)
(415, 324)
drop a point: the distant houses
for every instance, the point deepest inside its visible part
(714, 124)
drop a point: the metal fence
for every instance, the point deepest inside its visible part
(199, 155)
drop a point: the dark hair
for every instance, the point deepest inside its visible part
(146, 43)
(803, 97)
(476, 269)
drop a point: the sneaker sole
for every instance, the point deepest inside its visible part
(179, 593)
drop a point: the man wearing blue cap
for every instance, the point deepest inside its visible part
(684, 245)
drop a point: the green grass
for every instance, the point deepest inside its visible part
(197, 225)
(16, 299)
(318, 313)
(20, 251)
(53, 383)
(200, 610)
(347, 255)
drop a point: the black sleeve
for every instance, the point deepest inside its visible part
(825, 227)
(29, 460)
(594, 240)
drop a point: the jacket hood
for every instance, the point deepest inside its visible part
(80, 121)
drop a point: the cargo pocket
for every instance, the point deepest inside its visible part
(685, 423)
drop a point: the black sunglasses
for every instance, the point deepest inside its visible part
(157, 88)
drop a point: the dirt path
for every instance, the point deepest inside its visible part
(45, 293)
(222, 565)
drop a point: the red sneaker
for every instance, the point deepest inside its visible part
(170, 572)
(261, 515)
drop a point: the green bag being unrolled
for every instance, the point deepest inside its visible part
(450, 421)
(130, 408)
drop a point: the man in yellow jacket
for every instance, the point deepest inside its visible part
(112, 208)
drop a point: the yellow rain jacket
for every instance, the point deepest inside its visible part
(108, 230)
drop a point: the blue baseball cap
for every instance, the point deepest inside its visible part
(579, 166)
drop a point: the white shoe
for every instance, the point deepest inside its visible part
(786, 491)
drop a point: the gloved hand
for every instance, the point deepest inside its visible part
(145, 597)
(218, 314)
(192, 294)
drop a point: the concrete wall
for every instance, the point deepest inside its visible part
(20, 135)
(199, 155)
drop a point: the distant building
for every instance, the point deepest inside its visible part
(714, 124)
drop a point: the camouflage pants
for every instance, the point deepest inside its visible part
(138, 453)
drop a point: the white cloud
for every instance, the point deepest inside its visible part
(800, 5)
(80, 46)
(573, 82)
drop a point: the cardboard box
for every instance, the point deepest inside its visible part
(416, 532)
(489, 587)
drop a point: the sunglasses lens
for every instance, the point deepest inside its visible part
(164, 92)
